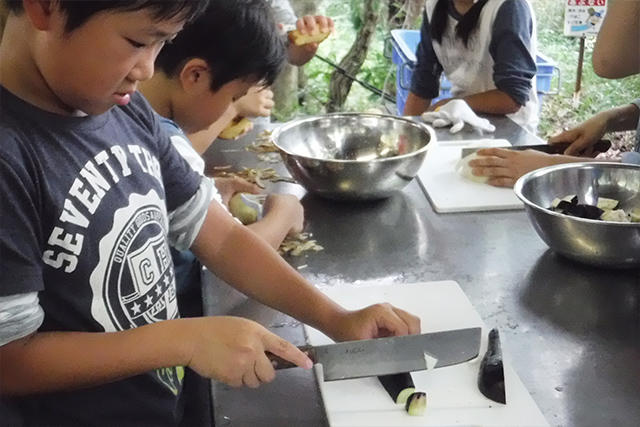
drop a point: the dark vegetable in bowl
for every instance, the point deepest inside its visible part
(581, 210)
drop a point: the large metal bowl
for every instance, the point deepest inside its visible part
(339, 156)
(595, 242)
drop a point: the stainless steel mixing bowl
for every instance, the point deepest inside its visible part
(596, 242)
(346, 156)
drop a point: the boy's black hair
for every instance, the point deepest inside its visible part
(239, 39)
(79, 11)
(466, 25)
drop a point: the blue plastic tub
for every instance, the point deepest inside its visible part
(404, 44)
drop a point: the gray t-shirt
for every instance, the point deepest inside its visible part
(283, 12)
(84, 221)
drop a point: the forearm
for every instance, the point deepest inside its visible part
(622, 118)
(416, 105)
(247, 262)
(271, 229)
(492, 102)
(203, 139)
(617, 53)
(51, 361)
(300, 55)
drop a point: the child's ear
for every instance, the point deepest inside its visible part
(39, 13)
(195, 74)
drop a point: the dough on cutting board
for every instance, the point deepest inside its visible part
(463, 168)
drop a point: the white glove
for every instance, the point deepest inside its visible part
(456, 112)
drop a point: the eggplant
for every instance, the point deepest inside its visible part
(491, 374)
(416, 404)
(399, 386)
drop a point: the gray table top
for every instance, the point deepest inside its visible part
(572, 332)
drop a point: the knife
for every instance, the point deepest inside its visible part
(599, 147)
(384, 356)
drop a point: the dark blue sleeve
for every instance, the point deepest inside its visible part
(514, 65)
(20, 237)
(425, 81)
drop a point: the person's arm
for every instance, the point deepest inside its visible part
(617, 52)
(249, 264)
(492, 102)
(425, 80)
(583, 136)
(503, 167)
(224, 348)
(283, 215)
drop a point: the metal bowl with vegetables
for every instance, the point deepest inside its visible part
(589, 212)
(353, 156)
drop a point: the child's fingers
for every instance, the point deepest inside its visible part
(502, 181)
(492, 171)
(264, 370)
(495, 152)
(286, 350)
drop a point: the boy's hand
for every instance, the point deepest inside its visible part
(286, 207)
(232, 350)
(257, 102)
(504, 167)
(583, 136)
(228, 186)
(375, 321)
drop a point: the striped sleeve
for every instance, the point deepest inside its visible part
(187, 219)
(20, 315)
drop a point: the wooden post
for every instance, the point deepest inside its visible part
(576, 92)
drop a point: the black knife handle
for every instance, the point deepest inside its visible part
(280, 363)
(601, 146)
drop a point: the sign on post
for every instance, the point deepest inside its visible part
(582, 17)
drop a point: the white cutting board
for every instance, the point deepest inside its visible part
(453, 398)
(450, 192)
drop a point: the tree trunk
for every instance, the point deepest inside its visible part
(340, 85)
(413, 9)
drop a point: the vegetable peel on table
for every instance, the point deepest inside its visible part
(491, 374)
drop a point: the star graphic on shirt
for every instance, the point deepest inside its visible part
(167, 280)
(148, 300)
(158, 290)
(136, 308)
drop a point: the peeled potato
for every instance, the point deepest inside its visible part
(237, 127)
(245, 213)
(463, 168)
(300, 39)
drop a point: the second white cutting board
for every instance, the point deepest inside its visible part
(450, 192)
(453, 398)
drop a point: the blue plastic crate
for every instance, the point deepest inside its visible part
(404, 44)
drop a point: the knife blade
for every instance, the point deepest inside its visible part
(393, 355)
(599, 147)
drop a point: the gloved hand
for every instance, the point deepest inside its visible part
(456, 113)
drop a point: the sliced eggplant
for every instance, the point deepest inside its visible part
(416, 404)
(399, 386)
(491, 374)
